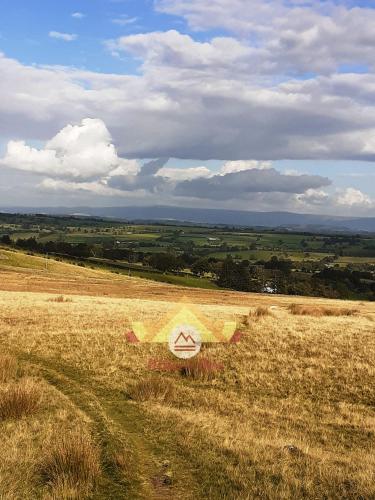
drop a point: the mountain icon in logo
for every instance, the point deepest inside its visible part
(185, 341)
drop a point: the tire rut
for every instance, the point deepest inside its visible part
(117, 427)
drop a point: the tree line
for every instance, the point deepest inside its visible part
(273, 276)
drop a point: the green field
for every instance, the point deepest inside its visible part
(215, 242)
(254, 255)
(269, 261)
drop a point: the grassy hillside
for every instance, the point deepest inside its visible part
(10, 259)
(290, 415)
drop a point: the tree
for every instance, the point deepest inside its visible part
(279, 264)
(201, 266)
(242, 277)
(5, 239)
(233, 275)
(165, 262)
(228, 269)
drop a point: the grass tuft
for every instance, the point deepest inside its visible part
(8, 368)
(19, 399)
(200, 368)
(152, 388)
(260, 312)
(72, 461)
(60, 299)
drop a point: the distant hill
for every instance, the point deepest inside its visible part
(285, 220)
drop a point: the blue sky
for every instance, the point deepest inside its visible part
(247, 98)
(25, 28)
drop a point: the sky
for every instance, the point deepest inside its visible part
(250, 104)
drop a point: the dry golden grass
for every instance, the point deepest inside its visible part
(290, 415)
(18, 261)
(23, 442)
(60, 299)
(260, 312)
(200, 368)
(8, 368)
(318, 311)
(71, 462)
(19, 399)
(153, 388)
(30, 274)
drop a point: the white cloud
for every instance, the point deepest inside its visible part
(227, 98)
(313, 197)
(313, 201)
(77, 151)
(231, 97)
(234, 15)
(175, 50)
(179, 174)
(243, 183)
(94, 187)
(169, 111)
(78, 15)
(126, 167)
(354, 197)
(124, 20)
(238, 166)
(348, 201)
(220, 82)
(82, 157)
(296, 36)
(67, 37)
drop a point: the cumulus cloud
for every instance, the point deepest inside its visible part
(233, 15)
(175, 50)
(313, 201)
(231, 97)
(235, 180)
(83, 157)
(77, 151)
(222, 83)
(67, 37)
(354, 197)
(145, 179)
(296, 36)
(126, 167)
(348, 201)
(173, 112)
(315, 197)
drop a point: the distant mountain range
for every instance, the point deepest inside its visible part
(284, 220)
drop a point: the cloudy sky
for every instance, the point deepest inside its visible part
(251, 104)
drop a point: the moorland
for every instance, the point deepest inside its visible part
(290, 413)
